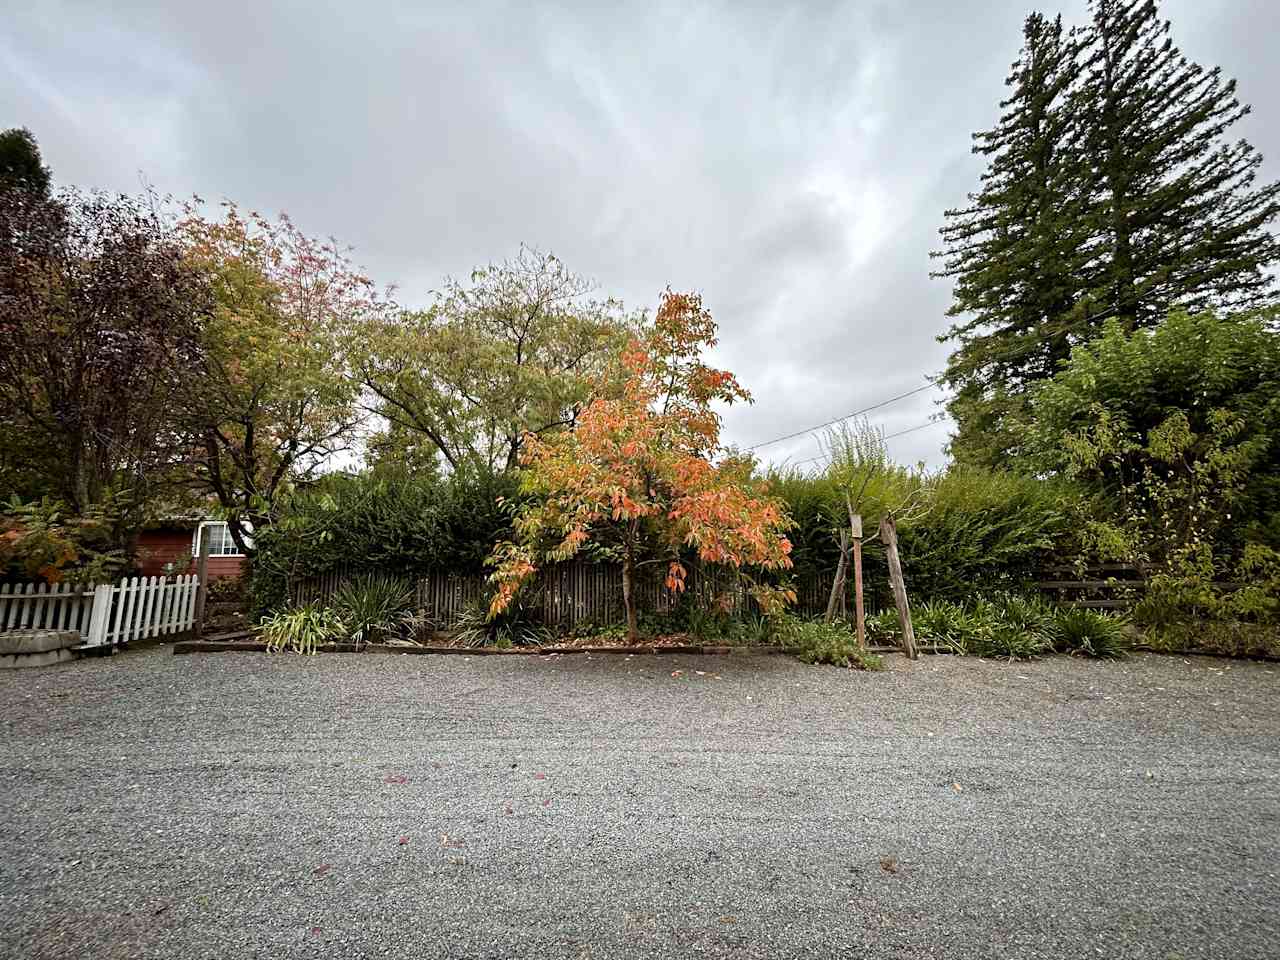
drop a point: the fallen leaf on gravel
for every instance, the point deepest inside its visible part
(321, 870)
(539, 776)
(316, 931)
(889, 864)
(403, 841)
(396, 778)
(956, 787)
(546, 803)
(507, 809)
(676, 673)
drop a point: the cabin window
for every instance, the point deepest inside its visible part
(220, 542)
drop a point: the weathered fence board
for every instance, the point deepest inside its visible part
(574, 593)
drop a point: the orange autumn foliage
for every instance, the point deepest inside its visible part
(643, 472)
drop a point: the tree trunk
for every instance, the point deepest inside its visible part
(837, 585)
(628, 594)
(889, 534)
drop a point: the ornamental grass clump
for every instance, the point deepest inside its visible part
(302, 629)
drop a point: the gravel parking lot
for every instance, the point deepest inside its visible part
(366, 806)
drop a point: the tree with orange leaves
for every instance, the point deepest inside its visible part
(643, 476)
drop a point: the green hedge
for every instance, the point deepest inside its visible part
(403, 524)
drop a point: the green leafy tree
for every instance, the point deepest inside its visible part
(21, 166)
(510, 354)
(1178, 427)
(273, 399)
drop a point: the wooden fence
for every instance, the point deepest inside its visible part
(136, 608)
(1111, 586)
(574, 593)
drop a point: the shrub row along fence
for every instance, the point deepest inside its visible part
(104, 615)
(573, 593)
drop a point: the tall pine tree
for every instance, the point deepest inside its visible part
(1174, 205)
(1111, 192)
(20, 163)
(1016, 250)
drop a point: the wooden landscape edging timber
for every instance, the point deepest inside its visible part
(258, 646)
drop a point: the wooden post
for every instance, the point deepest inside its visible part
(202, 587)
(859, 611)
(889, 534)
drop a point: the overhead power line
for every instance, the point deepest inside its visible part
(996, 357)
(887, 436)
(874, 406)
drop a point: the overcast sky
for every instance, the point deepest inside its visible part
(790, 162)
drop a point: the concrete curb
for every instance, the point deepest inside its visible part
(257, 646)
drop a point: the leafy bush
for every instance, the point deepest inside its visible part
(1018, 627)
(942, 622)
(302, 629)
(371, 605)
(885, 626)
(519, 625)
(1176, 426)
(813, 641)
(1091, 633)
(967, 525)
(382, 520)
(981, 527)
(43, 539)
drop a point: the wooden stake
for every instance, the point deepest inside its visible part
(889, 534)
(202, 572)
(859, 612)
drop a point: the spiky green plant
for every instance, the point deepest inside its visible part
(301, 629)
(372, 604)
(1091, 633)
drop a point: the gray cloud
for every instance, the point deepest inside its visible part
(790, 162)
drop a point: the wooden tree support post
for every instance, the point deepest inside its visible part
(889, 534)
(202, 572)
(859, 612)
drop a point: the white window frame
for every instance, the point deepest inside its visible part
(199, 534)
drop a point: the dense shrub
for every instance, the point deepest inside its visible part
(1177, 430)
(389, 521)
(981, 530)
(814, 641)
(44, 540)
(968, 528)
(1014, 627)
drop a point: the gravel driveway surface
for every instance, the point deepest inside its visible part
(347, 806)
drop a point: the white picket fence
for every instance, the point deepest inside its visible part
(105, 615)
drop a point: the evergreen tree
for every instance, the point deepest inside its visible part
(1111, 193)
(20, 163)
(1015, 252)
(1175, 207)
